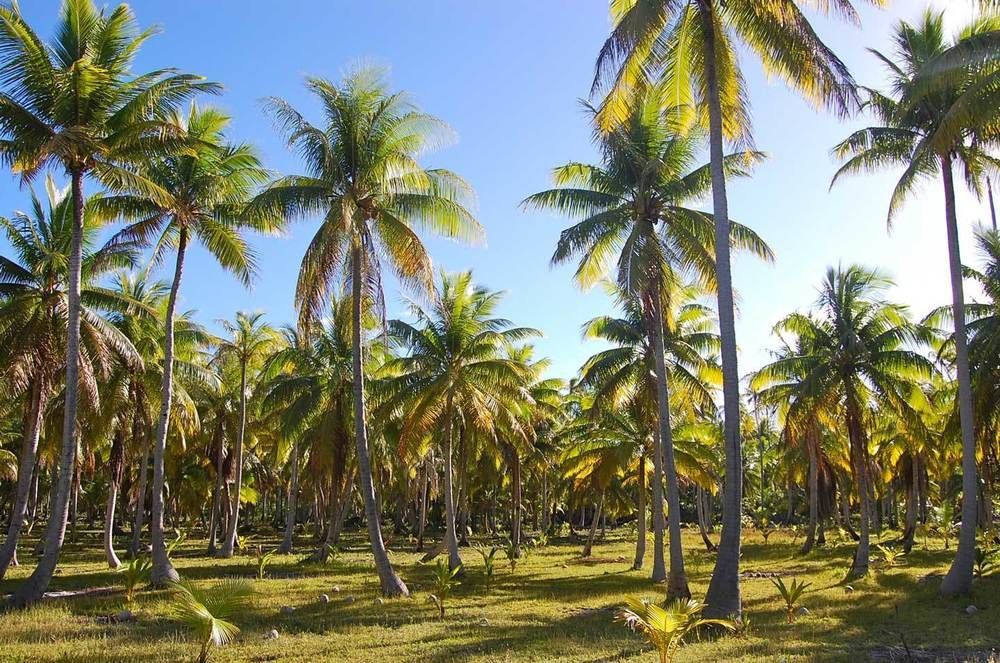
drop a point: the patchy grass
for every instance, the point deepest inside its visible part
(555, 607)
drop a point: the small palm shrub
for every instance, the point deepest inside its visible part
(135, 572)
(665, 627)
(890, 557)
(262, 559)
(489, 564)
(985, 561)
(944, 520)
(179, 538)
(207, 612)
(790, 594)
(445, 579)
(513, 554)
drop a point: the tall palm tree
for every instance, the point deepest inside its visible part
(203, 192)
(633, 204)
(856, 354)
(909, 136)
(74, 103)
(689, 47)
(364, 180)
(33, 310)
(251, 342)
(456, 373)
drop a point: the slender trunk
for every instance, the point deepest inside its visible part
(293, 492)
(392, 584)
(116, 461)
(422, 524)
(859, 453)
(598, 510)
(33, 502)
(813, 452)
(704, 519)
(723, 598)
(229, 543)
(959, 577)
(910, 525)
(343, 503)
(25, 471)
(640, 507)
(515, 502)
(993, 209)
(163, 572)
(140, 497)
(215, 516)
(545, 500)
(677, 585)
(454, 560)
(34, 587)
(659, 567)
(74, 505)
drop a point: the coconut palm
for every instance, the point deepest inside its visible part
(33, 318)
(364, 180)
(633, 205)
(909, 137)
(202, 196)
(455, 373)
(856, 353)
(689, 48)
(251, 341)
(74, 103)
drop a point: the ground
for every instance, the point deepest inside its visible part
(553, 607)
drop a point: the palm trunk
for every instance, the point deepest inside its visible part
(34, 587)
(813, 452)
(515, 502)
(454, 560)
(912, 494)
(859, 453)
(140, 498)
(723, 598)
(545, 499)
(162, 572)
(677, 585)
(25, 471)
(229, 543)
(659, 524)
(115, 462)
(293, 491)
(598, 510)
(215, 517)
(392, 584)
(422, 524)
(704, 519)
(640, 507)
(959, 577)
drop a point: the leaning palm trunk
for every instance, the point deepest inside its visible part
(640, 522)
(25, 472)
(232, 527)
(677, 585)
(451, 540)
(595, 521)
(34, 587)
(959, 577)
(140, 495)
(162, 572)
(293, 492)
(392, 584)
(116, 461)
(723, 598)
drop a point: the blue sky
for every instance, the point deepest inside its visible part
(507, 77)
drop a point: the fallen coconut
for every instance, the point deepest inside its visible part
(323, 598)
(271, 635)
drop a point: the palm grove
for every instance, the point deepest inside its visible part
(445, 426)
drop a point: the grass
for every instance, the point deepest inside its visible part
(555, 607)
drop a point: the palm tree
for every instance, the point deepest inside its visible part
(251, 342)
(689, 47)
(455, 372)
(633, 204)
(855, 354)
(75, 103)
(33, 310)
(365, 182)
(203, 191)
(910, 136)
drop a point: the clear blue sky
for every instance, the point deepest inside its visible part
(507, 76)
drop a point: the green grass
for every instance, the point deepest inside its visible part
(556, 607)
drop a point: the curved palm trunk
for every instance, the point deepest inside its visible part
(293, 492)
(232, 527)
(392, 584)
(162, 572)
(659, 524)
(115, 462)
(640, 507)
(677, 585)
(25, 472)
(595, 521)
(34, 587)
(959, 577)
(723, 598)
(140, 497)
(451, 540)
